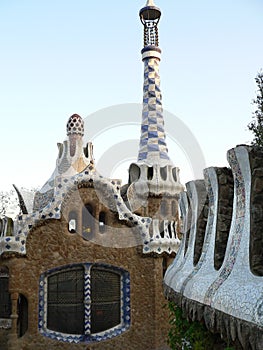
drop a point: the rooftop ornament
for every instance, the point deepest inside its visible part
(150, 16)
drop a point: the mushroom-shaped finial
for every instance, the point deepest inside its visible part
(75, 125)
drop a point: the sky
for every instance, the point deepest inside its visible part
(60, 57)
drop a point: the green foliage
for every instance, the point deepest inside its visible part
(185, 335)
(256, 125)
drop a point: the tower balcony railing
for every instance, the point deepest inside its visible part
(162, 237)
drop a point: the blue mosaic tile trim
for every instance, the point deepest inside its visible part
(15, 244)
(239, 187)
(87, 337)
(87, 296)
(152, 143)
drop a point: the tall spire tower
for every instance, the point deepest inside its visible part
(153, 147)
(154, 171)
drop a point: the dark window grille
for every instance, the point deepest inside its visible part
(5, 300)
(105, 299)
(65, 309)
(84, 300)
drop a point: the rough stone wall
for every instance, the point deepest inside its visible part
(3, 339)
(51, 245)
(201, 220)
(256, 215)
(224, 213)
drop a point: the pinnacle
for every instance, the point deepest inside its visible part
(150, 3)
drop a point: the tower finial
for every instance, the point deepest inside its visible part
(150, 16)
(150, 3)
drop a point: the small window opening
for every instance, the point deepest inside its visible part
(174, 172)
(87, 222)
(102, 222)
(150, 173)
(72, 222)
(163, 172)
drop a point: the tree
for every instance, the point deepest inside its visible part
(256, 125)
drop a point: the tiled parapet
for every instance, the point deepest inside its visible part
(219, 185)
(225, 288)
(237, 290)
(186, 219)
(177, 275)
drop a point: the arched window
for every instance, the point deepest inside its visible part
(87, 222)
(163, 172)
(174, 172)
(72, 221)
(134, 173)
(84, 302)
(5, 300)
(102, 222)
(163, 208)
(150, 173)
(10, 227)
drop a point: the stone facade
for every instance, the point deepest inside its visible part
(51, 245)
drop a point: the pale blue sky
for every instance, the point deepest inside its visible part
(60, 57)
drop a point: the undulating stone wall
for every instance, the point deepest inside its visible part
(225, 287)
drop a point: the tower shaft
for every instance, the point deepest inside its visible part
(153, 148)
